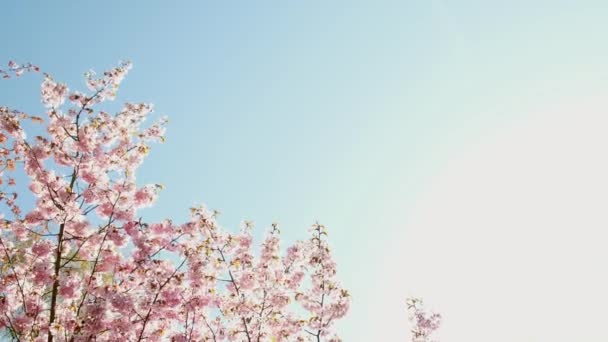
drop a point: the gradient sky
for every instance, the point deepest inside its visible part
(455, 149)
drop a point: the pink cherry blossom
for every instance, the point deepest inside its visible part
(83, 265)
(42, 248)
(424, 324)
(17, 70)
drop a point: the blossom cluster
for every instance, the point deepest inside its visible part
(16, 70)
(82, 265)
(424, 323)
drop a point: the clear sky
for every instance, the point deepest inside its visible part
(455, 149)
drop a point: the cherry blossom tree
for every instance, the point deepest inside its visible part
(81, 265)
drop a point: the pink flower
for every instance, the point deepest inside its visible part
(424, 323)
(41, 248)
(53, 94)
(42, 274)
(68, 290)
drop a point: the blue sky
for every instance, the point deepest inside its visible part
(349, 113)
